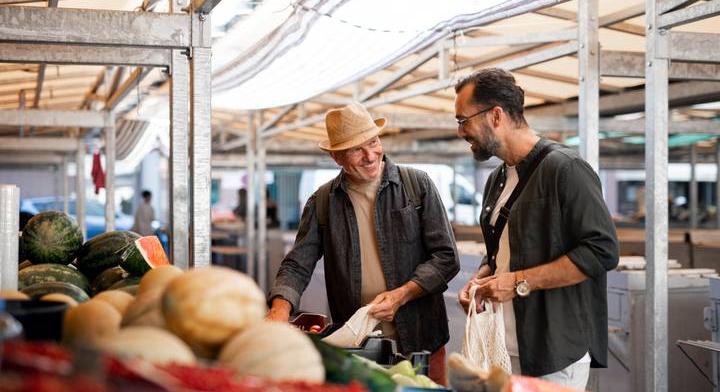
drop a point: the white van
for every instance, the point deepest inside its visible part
(441, 175)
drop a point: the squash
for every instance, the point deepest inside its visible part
(118, 299)
(158, 277)
(58, 297)
(145, 310)
(85, 324)
(207, 306)
(150, 343)
(273, 350)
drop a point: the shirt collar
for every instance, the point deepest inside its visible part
(524, 164)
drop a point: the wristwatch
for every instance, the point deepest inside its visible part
(522, 287)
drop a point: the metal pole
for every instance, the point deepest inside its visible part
(656, 224)
(455, 192)
(589, 99)
(9, 217)
(66, 185)
(717, 182)
(200, 116)
(56, 186)
(693, 187)
(80, 185)
(262, 212)
(110, 178)
(250, 211)
(179, 178)
(476, 182)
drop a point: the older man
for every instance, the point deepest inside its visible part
(549, 236)
(385, 239)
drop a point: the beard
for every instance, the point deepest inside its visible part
(484, 149)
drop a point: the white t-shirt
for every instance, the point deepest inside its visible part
(502, 259)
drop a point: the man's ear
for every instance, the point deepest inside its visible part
(497, 114)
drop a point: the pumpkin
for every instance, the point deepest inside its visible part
(118, 299)
(58, 297)
(273, 350)
(158, 277)
(207, 306)
(145, 310)
(87, 323)
(150, 343)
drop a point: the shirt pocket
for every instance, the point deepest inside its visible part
(406, 223)
(536, 229)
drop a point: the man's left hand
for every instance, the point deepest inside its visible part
(500, 288)
(386, 304)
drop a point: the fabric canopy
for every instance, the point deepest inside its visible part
(286, 53)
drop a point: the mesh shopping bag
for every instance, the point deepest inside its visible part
(484, 345)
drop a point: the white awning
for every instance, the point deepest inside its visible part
(290, 52)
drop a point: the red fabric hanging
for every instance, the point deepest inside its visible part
(98, 175)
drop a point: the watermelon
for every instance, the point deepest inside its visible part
(43, 288)
(51, 237)
(107, 278)
(104, 251)
(52, 273)
(145, 254)
(24, 264)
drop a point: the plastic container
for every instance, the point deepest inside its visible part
(309, 322)
(41, 320)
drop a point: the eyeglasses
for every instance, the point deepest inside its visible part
(462, 121)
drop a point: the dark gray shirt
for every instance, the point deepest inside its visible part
(561, 211)
(415, 243)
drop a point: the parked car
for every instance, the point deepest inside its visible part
(94, 213)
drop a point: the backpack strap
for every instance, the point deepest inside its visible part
(322, 203)
(411, 184)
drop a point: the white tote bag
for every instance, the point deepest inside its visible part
(484, 345)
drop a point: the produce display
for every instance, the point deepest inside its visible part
(104, 251)
(38, 273)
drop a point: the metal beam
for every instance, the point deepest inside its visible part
(516, 39)
(679, 94)
(128, 85)
(588, 51)
(250, 230)
(692, 47)
(262, 214)
(665, 6)
(54, 118)
(205, 6)
(693, 192)
(656, 99)
(624, 14)
(110, 152)
(80, 184)
(632, 65)
(416, 62)
(82, 54)
(95, 27)
(179, 162)
(201, 146)
(611, 24)
(683, 16)
(47, 144)
(30, 158)
(39, 86)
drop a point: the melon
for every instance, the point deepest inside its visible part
(145, 310)
(273, 350)
(159, 277)
(149, 343)
(51, 237)
(24, 264)
(57, 297)
(13, 294)
(87, 323)
(104, 251)
(43, 288)
(144, 254)
(52, 273)
(107, 278)
(118, 299)
(207, 306)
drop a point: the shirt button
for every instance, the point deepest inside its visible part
(487, 208)
(501, 185)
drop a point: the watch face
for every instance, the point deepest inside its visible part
(523, 289)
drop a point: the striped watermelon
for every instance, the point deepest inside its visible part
(107, 278)
(41, 289)
(104, 251)
(52, 273)
(145, 254)
(51, 237)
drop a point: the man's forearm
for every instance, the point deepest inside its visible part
(410, 291)
(559, 273)
(281, 303)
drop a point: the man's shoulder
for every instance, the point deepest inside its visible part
(561, 156)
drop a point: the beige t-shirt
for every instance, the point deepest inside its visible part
(502, 259)
(363, 198)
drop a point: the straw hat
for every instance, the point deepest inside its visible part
(349, 127)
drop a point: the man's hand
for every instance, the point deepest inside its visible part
(279, 311)
(386, 304)
(500, 288)
(482, 276)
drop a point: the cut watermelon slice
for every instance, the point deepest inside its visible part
(143, 255)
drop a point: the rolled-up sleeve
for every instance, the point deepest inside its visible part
(586, 217)
(298, 265)
(434, 274)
